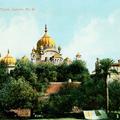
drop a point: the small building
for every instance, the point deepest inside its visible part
(116, 66)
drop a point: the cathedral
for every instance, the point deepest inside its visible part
(46, 50)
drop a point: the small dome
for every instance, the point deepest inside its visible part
(68, 60)
(25, 58)
(45, 41)
(78, 55)
(33, 50)
(8, 59)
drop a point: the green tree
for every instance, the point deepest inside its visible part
(46, 71)
(62, 72)
(32, 73)
(91, 94)
(106, 70)
(114, 88)
(77, 71)
(17, 94)
(26, 69)
(63, 101)
(3, 74)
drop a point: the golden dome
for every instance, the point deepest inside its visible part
(8, 59)
(45, 41)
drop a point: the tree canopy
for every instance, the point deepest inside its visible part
(3, 74)
(17, 94)
(78, 71)
(25, 86)
(114, 95)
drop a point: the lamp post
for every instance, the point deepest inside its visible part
(107, 96)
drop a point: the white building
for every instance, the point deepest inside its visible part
(116, 66)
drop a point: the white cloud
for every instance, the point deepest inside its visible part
(99, 38)
(19, 35)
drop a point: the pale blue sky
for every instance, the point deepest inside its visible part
(90, 27)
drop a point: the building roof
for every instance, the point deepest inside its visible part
(57, 55)
(116, 64)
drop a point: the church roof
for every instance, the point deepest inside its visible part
(57, 55)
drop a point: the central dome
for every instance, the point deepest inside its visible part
(45, 41)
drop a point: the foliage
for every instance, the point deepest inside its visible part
(105, 67)
(105, 70)
(41, 86)
(46, 71)
(77, 71)
(23, 68)
(63, 101)
(29, 80)
(17, 94)
(114, 95)
(26, 69)
(92, 94)
(62, 72)
(3, 74)
(89, 95)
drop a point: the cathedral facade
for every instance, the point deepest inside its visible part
(46, 50)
